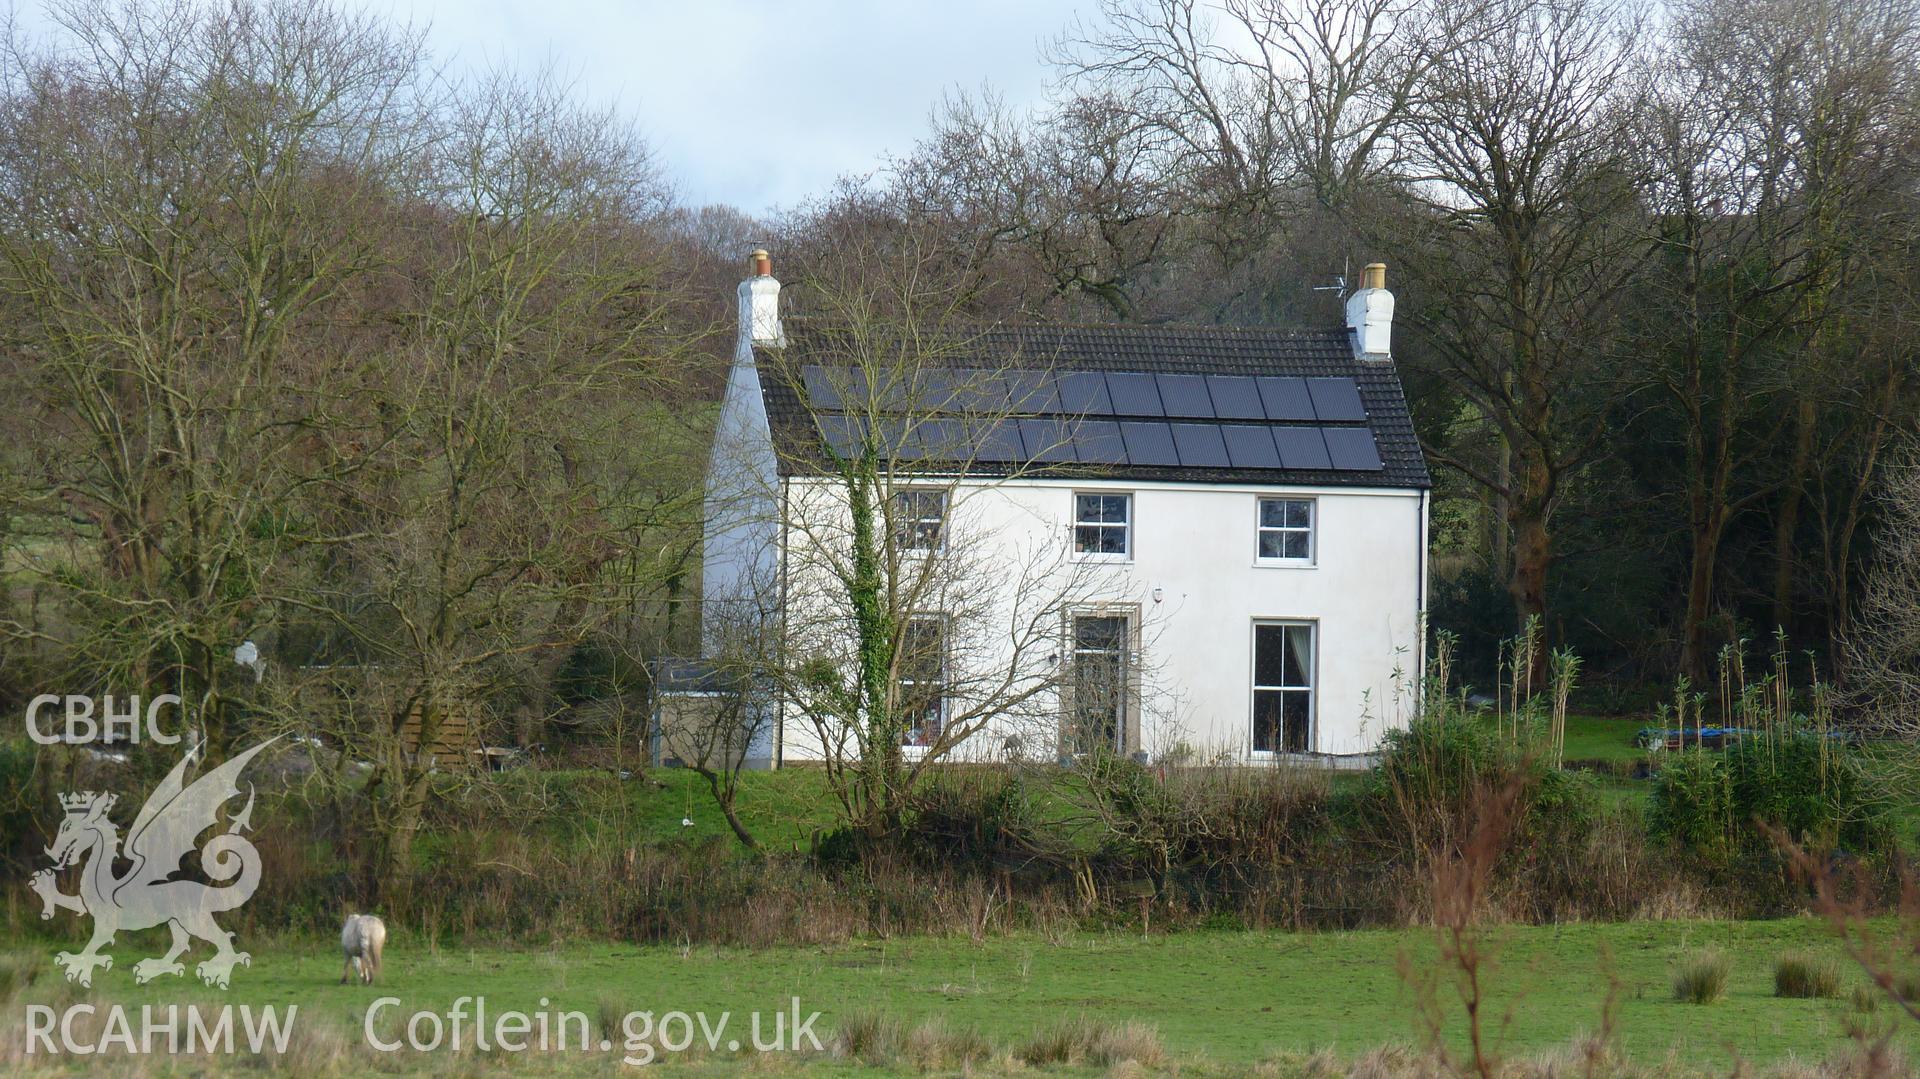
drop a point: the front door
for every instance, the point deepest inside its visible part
(1099, 684)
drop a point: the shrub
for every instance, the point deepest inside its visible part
(1810, 787)
(970, 815)
(1212, 824)
(27, 773)
(1799, 783)
(18, 971)
(1701, 978)
(1804, 975)
(1433, 773)
(1693, 803)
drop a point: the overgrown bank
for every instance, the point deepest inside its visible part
(537, 854)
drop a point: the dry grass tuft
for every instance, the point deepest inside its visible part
(1805, 975)
(1392, 1061)
(873, 1038)
(612, 1016)
(1090, 1042)
(1701, 978)
(934, 1046)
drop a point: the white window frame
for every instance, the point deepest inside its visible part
(1311, 689)
(1126, 528)
(1261, 529)
(905, 528)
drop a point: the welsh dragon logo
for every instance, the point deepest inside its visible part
(166, 830)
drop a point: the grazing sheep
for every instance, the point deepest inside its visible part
(361, 939)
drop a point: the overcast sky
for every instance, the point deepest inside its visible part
(761, 104)
(757, 103)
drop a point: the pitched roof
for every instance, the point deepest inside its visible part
(1280, 408)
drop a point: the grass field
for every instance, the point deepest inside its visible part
(1222, 998)
(1216, 1001)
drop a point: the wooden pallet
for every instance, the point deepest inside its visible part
(455, 743)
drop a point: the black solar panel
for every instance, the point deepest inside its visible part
(823, 392)
(1098, 442)
(1235, 397)
(1301, 447)
(999, 441)
(1134, 395)
(1250, 447)
(1149, 444)
(1084, 393)
(1285, 398)
(980, 392)
(934, 390)
(1335, 399)
(1352, 449)
(843, 434)
(1048, 441)
(1200, 445)
(940, 439)
(894, 391)
(1032, 392)
(1185, 396)
(1045, 428)
(894, 439)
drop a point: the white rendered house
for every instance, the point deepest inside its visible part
(1178, 539)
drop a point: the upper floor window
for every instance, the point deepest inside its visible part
(920, 519)
(1286, 530)
(1103, 525)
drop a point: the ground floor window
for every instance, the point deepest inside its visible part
(1098, 684)
(922, 681)
(1283, 687)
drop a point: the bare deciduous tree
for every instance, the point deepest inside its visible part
(325, 352)
(1770, 142)
(1881, 651)
(1516, 147)
(190, 202)
(923, 616)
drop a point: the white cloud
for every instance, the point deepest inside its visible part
(762, 103)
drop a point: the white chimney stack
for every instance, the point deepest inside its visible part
(760, 305)
(1370, 315)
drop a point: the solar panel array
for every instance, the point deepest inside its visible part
(1100, 418)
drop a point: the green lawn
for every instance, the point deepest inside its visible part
(1225, 998)
(782, 809)
(1605, 738)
